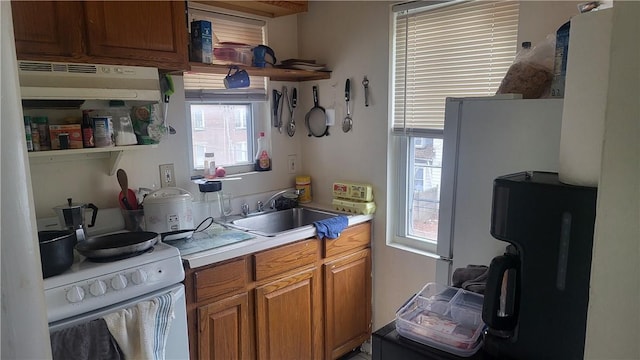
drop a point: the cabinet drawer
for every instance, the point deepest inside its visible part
(285, 258)
(355, 237)
(221, 280)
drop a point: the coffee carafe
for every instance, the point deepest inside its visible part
(71, 216)
(535, 302)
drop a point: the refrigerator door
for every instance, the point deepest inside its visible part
(485, 138)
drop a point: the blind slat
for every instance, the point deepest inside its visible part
(463, 49)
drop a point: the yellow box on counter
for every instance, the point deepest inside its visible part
(74, 132)
(356, 207)
(355, 191)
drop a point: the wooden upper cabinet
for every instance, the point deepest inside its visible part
(270, 9)
(152, 31)
(48, 29)
(137, 33)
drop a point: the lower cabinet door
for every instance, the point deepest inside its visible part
(347, 302)
(289, 317)
(223, 329)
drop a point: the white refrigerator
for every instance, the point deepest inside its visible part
(483, 139)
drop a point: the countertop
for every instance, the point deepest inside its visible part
(218, 244)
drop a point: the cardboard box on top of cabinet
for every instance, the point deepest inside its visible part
(201, 41)
(75, 135)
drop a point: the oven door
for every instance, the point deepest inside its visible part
(177, 346)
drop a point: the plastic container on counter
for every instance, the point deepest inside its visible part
(263, 155)
(304, 183)
(443, 317)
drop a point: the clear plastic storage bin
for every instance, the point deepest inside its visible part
(446, 318)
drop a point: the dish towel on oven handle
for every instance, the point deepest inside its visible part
(87, 341)
(141, 331)
(332, 227)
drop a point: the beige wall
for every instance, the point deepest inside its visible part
(353, 39)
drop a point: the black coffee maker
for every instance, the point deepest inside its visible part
(535, 303)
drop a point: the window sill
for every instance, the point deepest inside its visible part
(427, 250)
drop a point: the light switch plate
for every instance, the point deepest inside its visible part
(167, 176)
(292, 164)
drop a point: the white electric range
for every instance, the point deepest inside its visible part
(90, 290)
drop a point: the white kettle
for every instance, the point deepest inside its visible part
(168, 209)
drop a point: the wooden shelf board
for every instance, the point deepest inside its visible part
(276, 74)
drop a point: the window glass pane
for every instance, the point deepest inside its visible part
(424, 203)
(440, 50)
(220, 134)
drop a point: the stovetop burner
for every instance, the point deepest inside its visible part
(119, 257)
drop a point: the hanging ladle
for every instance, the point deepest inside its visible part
(347, 123)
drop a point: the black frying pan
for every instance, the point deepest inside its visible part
(114, 245)
(316, 119)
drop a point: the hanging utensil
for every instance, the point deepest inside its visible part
(316, 118)
(291, 128)
(347, 123)
(365, 83)
(277, 95)
(167, 89)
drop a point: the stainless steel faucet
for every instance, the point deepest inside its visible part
(272, 200)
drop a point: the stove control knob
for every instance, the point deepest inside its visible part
(119, 282)
(75, 294)
(139, 277)
(98, 288)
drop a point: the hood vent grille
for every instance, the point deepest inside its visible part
(58, 67)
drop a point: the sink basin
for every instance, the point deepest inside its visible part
(272, 223)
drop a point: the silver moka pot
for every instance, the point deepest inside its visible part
(71, 216)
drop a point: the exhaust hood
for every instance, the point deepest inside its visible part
(69, 81)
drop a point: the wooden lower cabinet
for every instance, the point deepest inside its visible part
(310, 299)
(224, 332)
(347, 303)
(289, 317)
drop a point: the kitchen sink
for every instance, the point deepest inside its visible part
(275, 222)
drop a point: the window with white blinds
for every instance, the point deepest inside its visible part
(226, 28)
(448, 50)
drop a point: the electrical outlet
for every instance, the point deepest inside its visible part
(167, 175)
(292, 164)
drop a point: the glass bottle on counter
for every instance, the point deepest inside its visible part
(263, 156)
(209, 165)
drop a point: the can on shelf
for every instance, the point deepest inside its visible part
(103, 131)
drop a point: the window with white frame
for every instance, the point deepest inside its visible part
(224, 121)
(440, 50)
